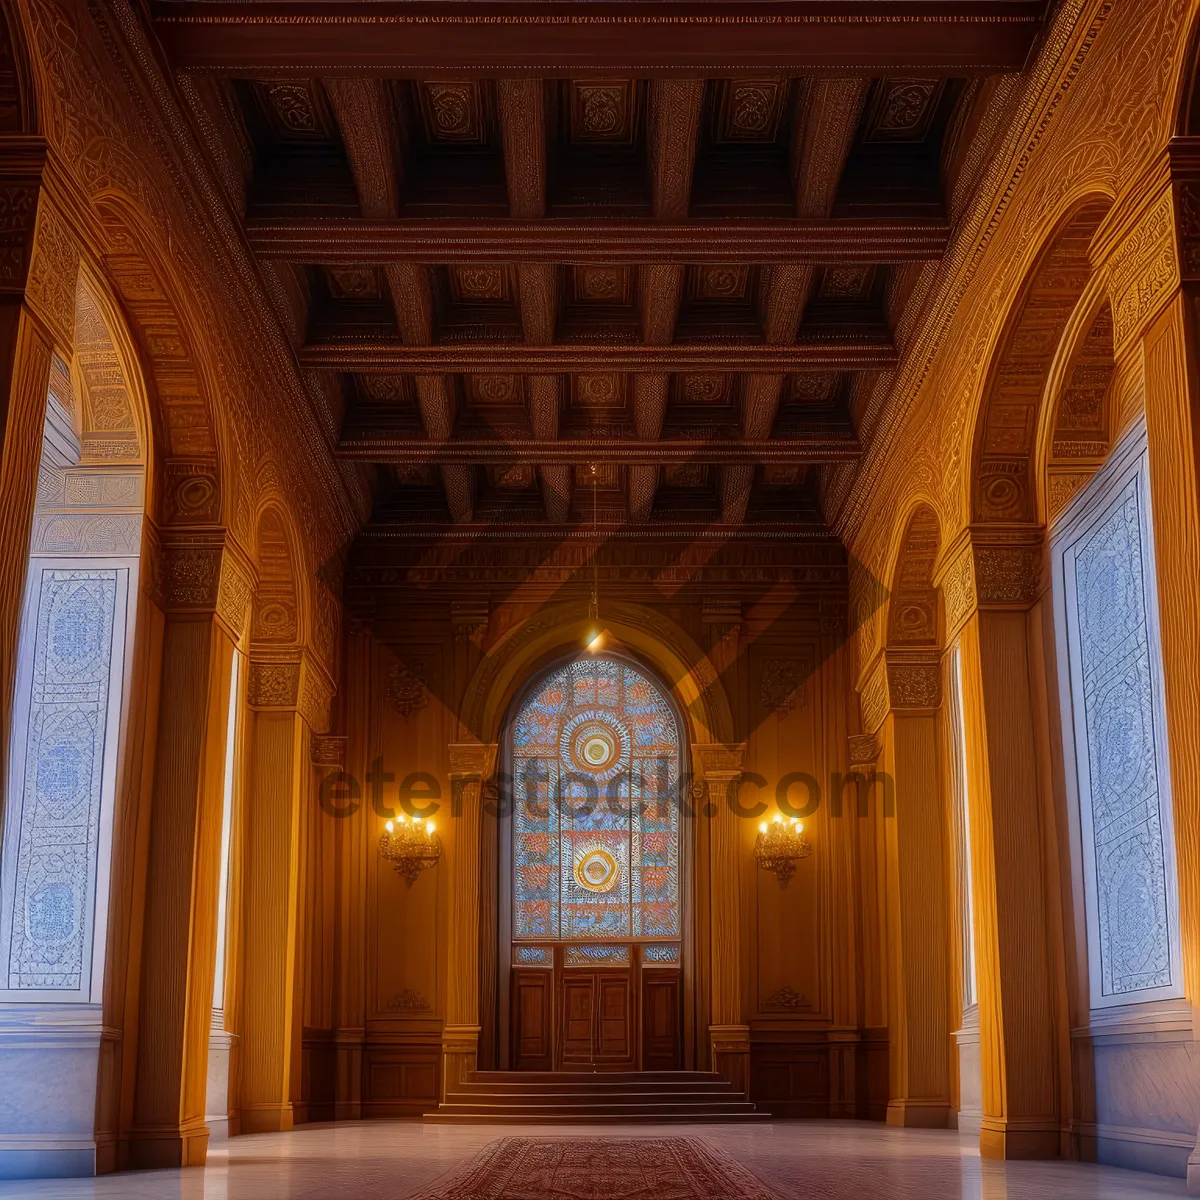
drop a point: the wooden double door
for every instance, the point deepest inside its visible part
(572, 1013)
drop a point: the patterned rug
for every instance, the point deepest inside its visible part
(672, 1168)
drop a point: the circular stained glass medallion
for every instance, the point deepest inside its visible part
(596, 745)
(597, 870)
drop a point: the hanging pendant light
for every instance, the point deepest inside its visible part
(595, 633)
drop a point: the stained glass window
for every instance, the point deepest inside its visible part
(596, 821)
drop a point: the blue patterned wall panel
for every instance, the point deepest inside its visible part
(55, 822)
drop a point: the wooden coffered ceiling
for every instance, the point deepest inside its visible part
(558, 260)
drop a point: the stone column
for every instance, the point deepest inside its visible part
(471, 765)
(909, 683)
(989, 582)
(350, 836)
(204, 584)
(719, 770)
(286, 695)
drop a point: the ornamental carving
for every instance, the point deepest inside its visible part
(1007, 574)
(53, 272)
(328, 750)
(453, 111)
(958, 590)
(784, 685)
(189, 576)
(787, 999)
(408, 1001)
(914, 685)
(1143, 270)
(234, 596)
(273, 684)
(406, 688)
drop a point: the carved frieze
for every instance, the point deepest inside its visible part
(53, 272)
(1143, 270)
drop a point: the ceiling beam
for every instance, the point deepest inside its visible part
(334, 240)
(646, 37)
(827, 444)
(847, 353)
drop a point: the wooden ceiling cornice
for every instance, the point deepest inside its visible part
(850, 352)
(565, 37)
(832, 445)
(548, 256)
(600, 241)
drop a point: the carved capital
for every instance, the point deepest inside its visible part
(715, 760)
(986, 568)
(290, 679)
(914, 680)
(22, 164)
(273, 683)
(202, 573)
(328, 750)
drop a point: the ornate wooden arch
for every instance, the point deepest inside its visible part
(913, 619)
(1004, 487)
(679, 662)
(279, 616)
(187, 423)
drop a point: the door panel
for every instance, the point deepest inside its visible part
(660, 1021)
(533, 1020)
(615, 1028)
(578, 1013)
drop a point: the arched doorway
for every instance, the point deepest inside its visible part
(593, 885)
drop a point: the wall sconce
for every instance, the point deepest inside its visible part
(780, 846)
(410, 848)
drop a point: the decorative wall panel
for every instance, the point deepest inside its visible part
(62, 776)
(1104, 570)
(596, 752)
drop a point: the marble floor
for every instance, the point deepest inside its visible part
(801, 1160)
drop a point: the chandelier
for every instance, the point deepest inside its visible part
(780, 846)
(410, 848)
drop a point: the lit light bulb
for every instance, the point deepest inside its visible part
(429, 827)
(762, 827)
(401, 818)
(778, 819)
(389, 827)
(796, 822)
(595, 639)
(799, 826)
